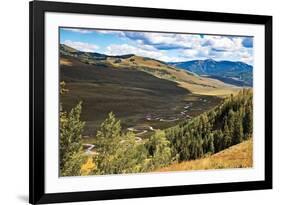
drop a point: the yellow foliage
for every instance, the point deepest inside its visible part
(88, 167)
(63, 89)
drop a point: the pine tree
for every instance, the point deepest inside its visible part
(238, 130)
(160, 150)
(70, 145)
(211, 148)
(227, 136)
(218, 140)
(248, 122)
(108, 139)
(110, 128)
(230, 121)
(118, 152)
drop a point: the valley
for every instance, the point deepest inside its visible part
(140, 100)
(145, 94)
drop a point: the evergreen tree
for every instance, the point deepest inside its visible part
(238, 130)
(118, 152)
(159, 150)
(108, 139)
(248, 122)
(227, 136)
(230, 121)
(70, 145)
(110, 128)
(218, 140)
(211, 148)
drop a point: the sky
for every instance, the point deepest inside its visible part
(168, 47)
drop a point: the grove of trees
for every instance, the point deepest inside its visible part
(227, 124)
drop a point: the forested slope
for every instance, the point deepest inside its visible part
(227, 124)
(117, 151)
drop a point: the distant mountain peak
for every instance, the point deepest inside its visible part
(237, 73)
(209, 60)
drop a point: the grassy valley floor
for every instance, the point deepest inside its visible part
(237, 156)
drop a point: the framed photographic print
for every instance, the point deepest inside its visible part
(140, 102)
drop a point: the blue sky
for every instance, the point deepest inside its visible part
(168, 47)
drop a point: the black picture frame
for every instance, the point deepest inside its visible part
(37, 194)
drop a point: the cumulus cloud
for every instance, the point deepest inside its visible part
(119, 33)
(193, 46)
(165, 41)
(123, 49)
(221, 48)
(244, 54)
(141, 50)
(81, 46)
(174, 47)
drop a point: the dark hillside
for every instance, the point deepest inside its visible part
(132, 95)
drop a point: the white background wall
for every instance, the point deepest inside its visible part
(14, 100)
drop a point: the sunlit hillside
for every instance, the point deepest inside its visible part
(185, 79)
(237, 156)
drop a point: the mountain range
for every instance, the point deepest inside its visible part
(236, 73)
(230, 72)
(184, 78)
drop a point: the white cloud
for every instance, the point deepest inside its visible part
(116, 49)
(223, 43)
(192, 46)
(83, 31)
(243, 54)
(190, 53)
(81, 46)
(165, 39)
(220, 48)
(199, 52)
(120, 33)
(173, 47)
(141, 50)
(231, 51)
(166, 58)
